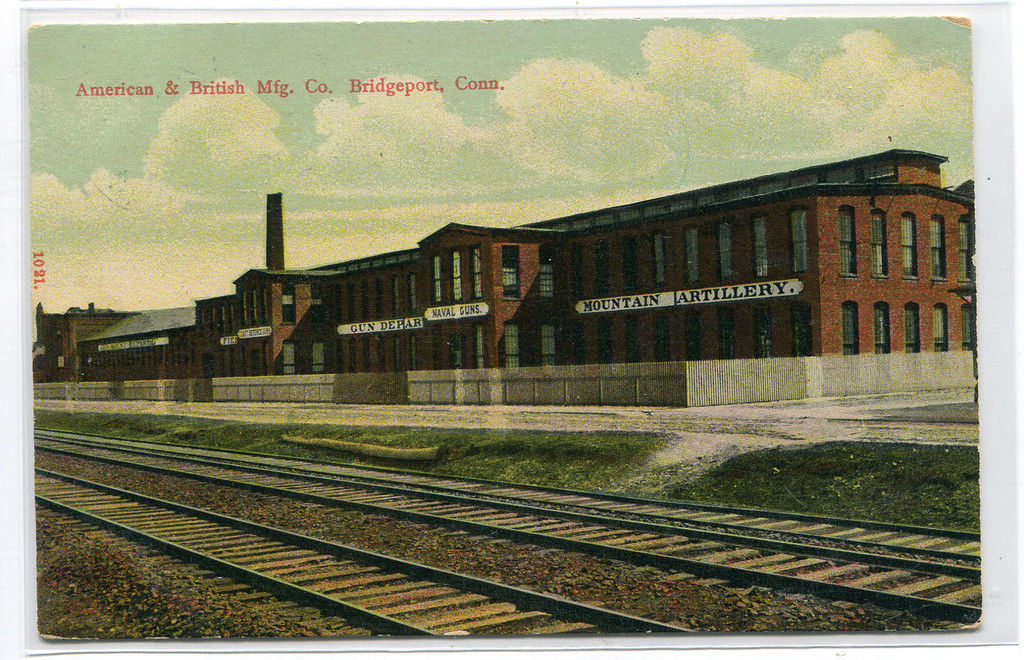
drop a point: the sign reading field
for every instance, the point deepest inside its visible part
(134, 343)
(731, 292)
(252, 333)
(390, 325)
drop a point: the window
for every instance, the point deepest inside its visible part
(661, 346)
(287, 357)
(658, 242)
(726, 333)
(510, 271)
(604, 340)
(968, 327)
(629, 279)
(576, 265)
(455, 351)
(546, 275)
(879, 245)
(456, 276)
(288, 303)
(912, 328)
(940, 328)
(412, 293)
(724, 232)
(694, 336)
(478, 345)
(393, 347)
(511, 345)
(378, 297)
(478, 274)
(632, 339)
(762, 332)
(261, 306)
(850, 321)
(798, 239)
(908, 239)
(801, 319)
(316, 304)
(879, 169)
(601, 268)
(351, 289)
(965, 250)
(759, 234)
(937, 234)
(881, 323)
(412, 352)
(847, 242)
(437, 278)
(317, 357)
(364, 294)
(396, 297)
(579, 343)
(692, 265)
(547, 344)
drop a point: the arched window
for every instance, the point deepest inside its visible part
(798, 239)
(847, 242)
(881, 324)
(908, 239)
(912, 328)
(937, 233)
(724, 251)
(940, 328)
(879, 245)
(851, 342)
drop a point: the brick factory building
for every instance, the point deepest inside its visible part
(857, 256)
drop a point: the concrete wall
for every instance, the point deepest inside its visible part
(641, 384)
(702, 383)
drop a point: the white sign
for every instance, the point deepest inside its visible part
(390, 325)
(731, 292)
(463, 311)
(228, 341)
(252, 333)
(134, 343)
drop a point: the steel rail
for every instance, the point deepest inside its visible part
(247, 458)
(570, 511)
(743, 576)
(607, 620)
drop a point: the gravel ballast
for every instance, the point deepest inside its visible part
(704, 606)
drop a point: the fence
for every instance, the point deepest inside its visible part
(702, 383)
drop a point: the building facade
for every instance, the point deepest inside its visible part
(858, 256)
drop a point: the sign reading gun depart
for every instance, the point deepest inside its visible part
(390, 325)
(755, 290)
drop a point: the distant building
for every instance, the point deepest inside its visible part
(56, 356)
(857, 256)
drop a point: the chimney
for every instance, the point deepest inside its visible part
(92, 308)
(275, 233)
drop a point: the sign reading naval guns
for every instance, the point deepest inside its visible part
(391, 325)
(756, 290)
(463, 311)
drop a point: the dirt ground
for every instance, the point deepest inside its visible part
(697, 439)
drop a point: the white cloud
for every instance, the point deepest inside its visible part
(222, 142)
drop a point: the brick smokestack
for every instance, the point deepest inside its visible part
(275, 233)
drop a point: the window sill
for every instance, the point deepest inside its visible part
(848, 276)
(939, 280)
(880, 277)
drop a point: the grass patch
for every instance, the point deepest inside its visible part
(568, 460)
(922, 485)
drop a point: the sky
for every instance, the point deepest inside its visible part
(153, 201)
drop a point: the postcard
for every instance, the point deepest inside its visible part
(533, 329)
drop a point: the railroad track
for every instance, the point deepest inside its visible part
(381, 594)
(867, 536)
(943, 589)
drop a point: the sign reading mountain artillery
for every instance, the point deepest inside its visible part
(711, 294)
